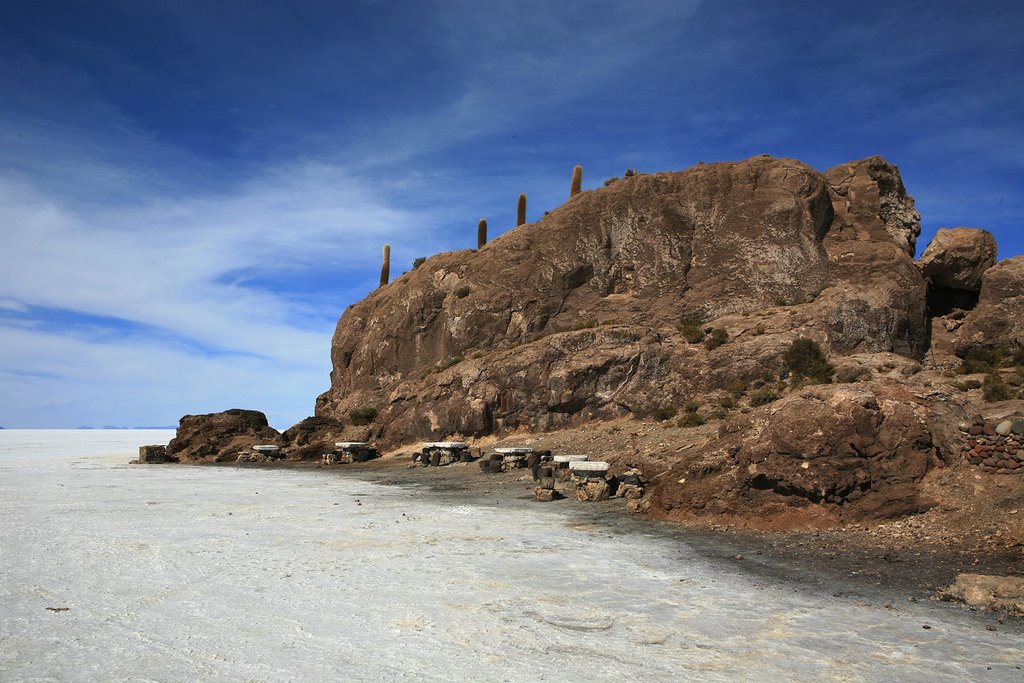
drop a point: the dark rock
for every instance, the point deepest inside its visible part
(219, 437)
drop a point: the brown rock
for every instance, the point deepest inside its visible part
(312, 437)
(219, 437)
(575, 318)
(998, 320)
(801, 451)
(958, 257)
(997, 593)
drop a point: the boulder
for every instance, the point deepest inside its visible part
(958, 257)
(838, 452)
(998, 319)
(219, 437)
(988, 593)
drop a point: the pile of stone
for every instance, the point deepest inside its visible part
(509, 459)
(544, 475)
(348, 452)
(261, 453)
(995, 448)
(153, 455)
(592, 479)
(440, 453)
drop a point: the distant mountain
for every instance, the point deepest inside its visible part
(85, 427)
(157, 427)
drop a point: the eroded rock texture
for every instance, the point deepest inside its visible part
(220, 437)
(577, 316)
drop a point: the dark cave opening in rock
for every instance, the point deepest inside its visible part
(944, 300)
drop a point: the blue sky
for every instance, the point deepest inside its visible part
(192, 192)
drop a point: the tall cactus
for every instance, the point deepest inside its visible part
(481, 233)
(521, 210)
(385, 268)
(577, 181)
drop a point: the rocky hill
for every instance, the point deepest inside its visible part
(779, 307)
(578, 316)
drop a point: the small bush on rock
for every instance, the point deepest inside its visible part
(664, 413)
(763, 397)
(693, 331)
(362, 415)
(690, 420)
(995, 389)
(806, 361)
(420, 260)
(716, 338)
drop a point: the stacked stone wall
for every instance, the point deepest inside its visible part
(995, 448)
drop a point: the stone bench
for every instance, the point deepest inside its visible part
(439, 453)
(261, 453)
(349, 452)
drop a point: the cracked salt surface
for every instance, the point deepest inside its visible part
(176, 573)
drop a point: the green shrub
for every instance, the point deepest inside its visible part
(967, 384)
(693, 331)
(716, 338)
(805, 360)
(763, 397)
(851, 374)
(420, 260)
(690, 420)
(691, 406)
(362, 415)
(611, 180)
(664, 413)
(737, 387)
(729, 402)
(979, 360)
(995, 389)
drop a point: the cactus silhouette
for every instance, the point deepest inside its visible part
(577, 181)
(521, 210)
(385, 268)
(481, 233)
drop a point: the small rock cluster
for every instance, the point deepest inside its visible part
(441, 453)
(264, 453)
(152, 455)
(995, 448)
(348, 452)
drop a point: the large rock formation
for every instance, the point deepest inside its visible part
(954, 263)
(220, 437)
(577, 317)
(998, 320)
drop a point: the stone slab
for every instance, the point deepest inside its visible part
(449, 445)
(570, 458)
(351, 445)
(266, 448)
(513, 451)
(586, 466)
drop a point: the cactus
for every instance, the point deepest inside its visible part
(385, 268)
(521, 210)
(481, 233)
(577, 181)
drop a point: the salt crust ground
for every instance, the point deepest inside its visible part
(223, 574)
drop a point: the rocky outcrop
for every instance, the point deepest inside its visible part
(957, 258)
(312, 438)
(577, 317)
(998, 319)
(221, 437)
(833, 452)
(988, 593)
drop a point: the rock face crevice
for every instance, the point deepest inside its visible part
(577, 317)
